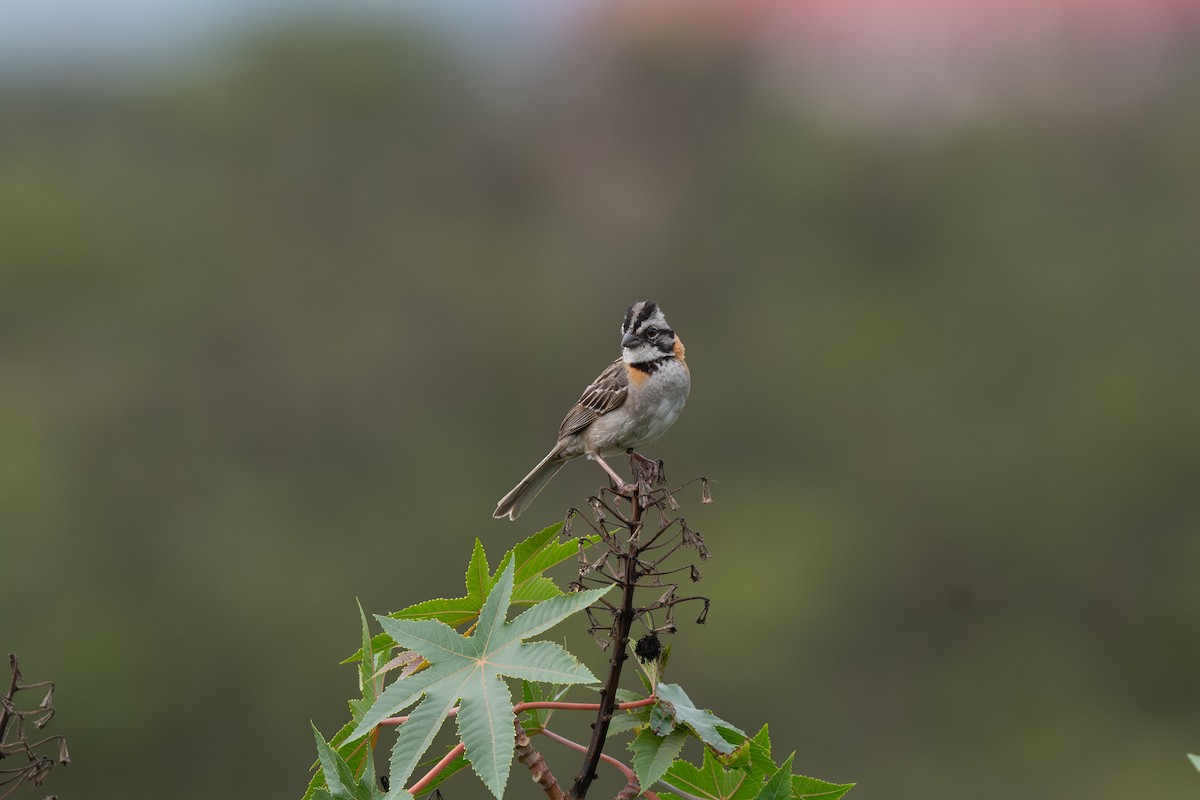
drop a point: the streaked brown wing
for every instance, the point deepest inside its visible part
(606, 393)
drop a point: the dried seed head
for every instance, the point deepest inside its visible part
(648, 648)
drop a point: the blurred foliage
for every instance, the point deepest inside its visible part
(278, 327)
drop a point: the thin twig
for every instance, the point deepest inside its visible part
(38, 766)
(7, 703)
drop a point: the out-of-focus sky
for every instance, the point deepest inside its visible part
(49, 32)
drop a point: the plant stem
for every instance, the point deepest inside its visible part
(420, 785)
(627, 559)
(607, 759)
(8, 697)
(550, 704)
(557, 706)
(528, 755)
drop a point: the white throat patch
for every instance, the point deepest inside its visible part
(641, 354)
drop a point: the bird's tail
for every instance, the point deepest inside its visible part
(513, 503)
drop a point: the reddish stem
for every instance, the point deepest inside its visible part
(553, 705)
(420, 785)
(554, 737)
(519, 707)
(626, 771)
(401, 720)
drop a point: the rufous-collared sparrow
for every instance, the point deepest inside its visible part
(631, 404)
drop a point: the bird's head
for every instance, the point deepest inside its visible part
(645, 334)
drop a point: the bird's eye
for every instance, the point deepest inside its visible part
(651, 333)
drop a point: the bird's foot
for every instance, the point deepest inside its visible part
(620, 485)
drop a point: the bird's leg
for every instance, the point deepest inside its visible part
(647, 469)
(622, 486)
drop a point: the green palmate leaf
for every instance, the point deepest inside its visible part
(740, 757)
(662, 720)
(532, 693)
(479, 580)
(710, 780)
(805, 788)
(653, 754)
(629, 720)
(779, 787)
(356, 754)
(535, 590)
(756, 777)
(711, 729)
(760, 764)
(470, 669)
(339, 777)
(316, 786)
(628, 696)
(454, 612)
(530, 558)
(366, 778)
(368, 667)
(540, 552)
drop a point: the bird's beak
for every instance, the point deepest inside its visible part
(631, 340)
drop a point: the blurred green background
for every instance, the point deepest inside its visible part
(282, 317)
